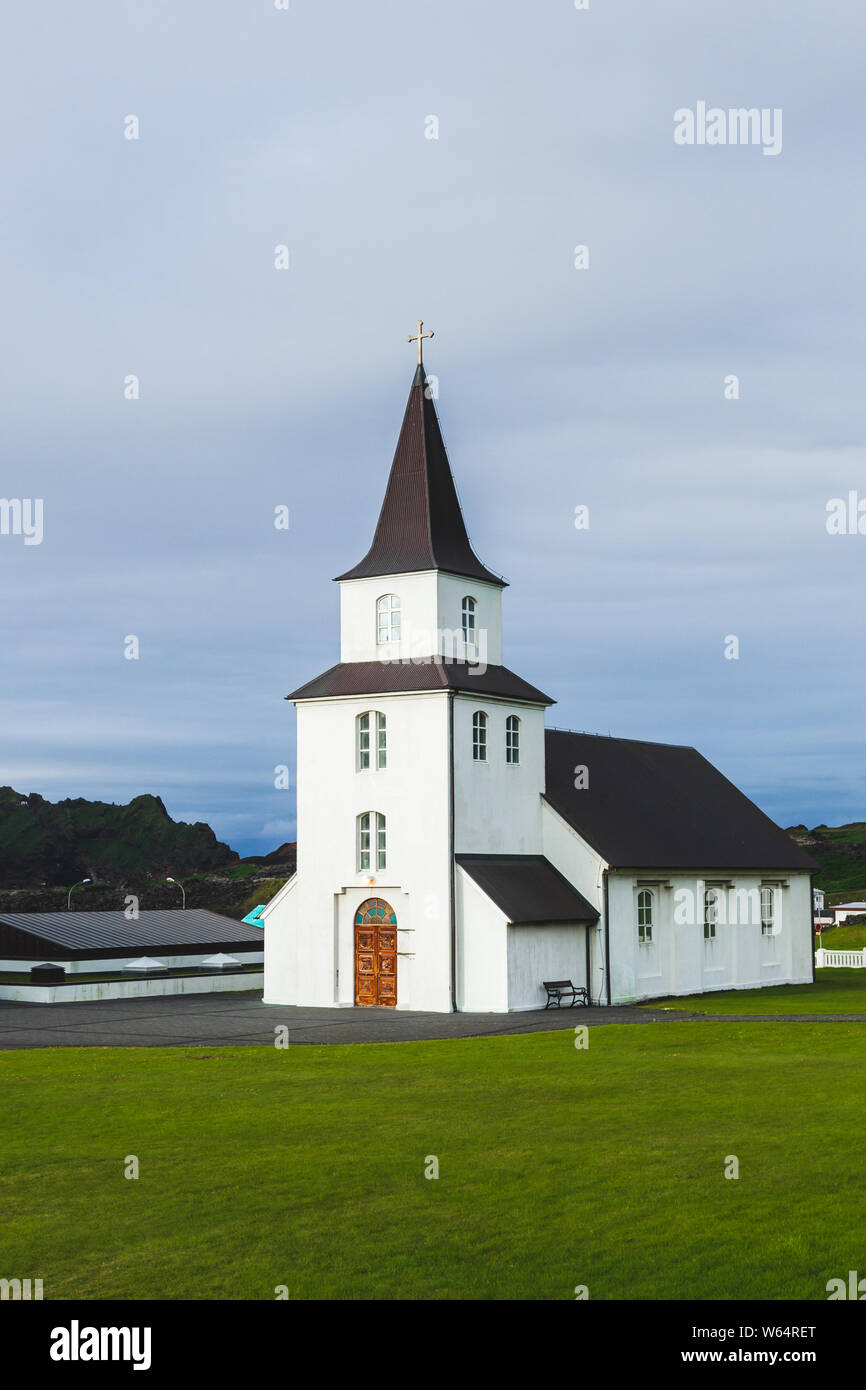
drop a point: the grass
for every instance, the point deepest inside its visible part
(848, 937)
(841, 876)
(558, 1166)
(836, 991)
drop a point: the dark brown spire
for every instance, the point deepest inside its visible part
(421, 525)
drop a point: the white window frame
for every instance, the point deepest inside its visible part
(645, 910)
(711, 912)
(363, 841)
(512, 740)
(388, 619)
(362, 741)
(371, 841)
(768, 918)
(469, 627)
(480, 723)
(371, 755)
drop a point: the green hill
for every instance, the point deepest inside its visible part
(841, 852)
(52, 843)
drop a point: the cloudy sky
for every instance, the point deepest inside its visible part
(604, 386)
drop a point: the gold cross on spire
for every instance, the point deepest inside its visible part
(419, 339)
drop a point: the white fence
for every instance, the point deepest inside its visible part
(855, 959)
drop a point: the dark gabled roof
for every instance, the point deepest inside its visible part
(195, 930)
(660, 806)
(397, 677)
(421, 525)
(527, 888)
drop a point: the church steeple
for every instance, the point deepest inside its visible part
(421, 526)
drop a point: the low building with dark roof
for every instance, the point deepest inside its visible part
(455, 854)
(67, 956)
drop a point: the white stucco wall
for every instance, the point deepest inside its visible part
(451, 592)
(308, 940)
(555, 951)
(89, 967)
(81, 992)
(679, 961)
(430, 606)
(498, 804)
(280, 918)
(482, 958)
(583, 866)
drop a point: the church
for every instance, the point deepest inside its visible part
(454, 853)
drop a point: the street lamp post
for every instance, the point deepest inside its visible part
(180, 886)
(73, 888)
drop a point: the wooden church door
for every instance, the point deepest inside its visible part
(376, 953)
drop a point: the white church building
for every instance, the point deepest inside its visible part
(454, 853)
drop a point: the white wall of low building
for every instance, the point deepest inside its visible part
(90, 967)
(679, 961)
(482, 955)
(553, 951)
(89, 991)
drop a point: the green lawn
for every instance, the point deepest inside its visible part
(835, 991)
(845, 938)
(558, 1166)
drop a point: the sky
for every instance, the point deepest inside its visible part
(439, 161)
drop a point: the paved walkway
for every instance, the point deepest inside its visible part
(215, 1020)
(219, 1019)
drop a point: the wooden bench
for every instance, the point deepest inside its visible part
(564, 989)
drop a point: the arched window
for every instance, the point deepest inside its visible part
(768, 910)
(645, 916)
(469, 610)
(479, 736)
(711, 913)
(371, 741)
(388, 618)
(512, 739)
(369, 825)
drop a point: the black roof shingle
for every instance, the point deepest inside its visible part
(527, 888)
(398, 677)
(660, 806)
(421, 526)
